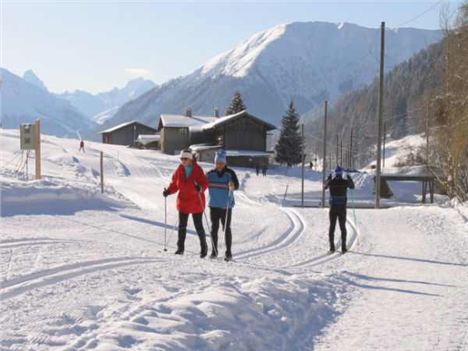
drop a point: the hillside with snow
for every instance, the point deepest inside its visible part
(23, 100)
(81, 270)
(307, 61)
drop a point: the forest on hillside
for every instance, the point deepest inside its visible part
(427, 94)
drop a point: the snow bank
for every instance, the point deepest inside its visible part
(261, 314)
(50, 196)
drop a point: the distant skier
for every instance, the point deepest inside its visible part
(222, 181)
(264, 169)
(338, 186)
(191, 183)
(81, 146)
(257, 168)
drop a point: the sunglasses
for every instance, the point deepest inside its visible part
(184, 158)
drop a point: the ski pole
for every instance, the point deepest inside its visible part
(165, 223)
(207, 223)
(227, 214)
(354, 207)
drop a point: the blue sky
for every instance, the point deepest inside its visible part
(97, 45)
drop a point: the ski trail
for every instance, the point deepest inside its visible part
(292, 235)
(321, 259)
(34, 243)
(8, 269)
(30, 240)
(22, 284)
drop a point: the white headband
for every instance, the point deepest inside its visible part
(186, 154)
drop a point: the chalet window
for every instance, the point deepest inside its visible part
(183, 131)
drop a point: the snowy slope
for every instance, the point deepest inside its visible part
(102, 106)
(23, 102)
(88, 271)
(304, 61)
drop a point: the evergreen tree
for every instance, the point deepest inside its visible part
(237, 105)
(290, 145)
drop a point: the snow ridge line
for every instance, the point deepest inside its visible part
(29, 240)
(292, 235)
(34, 243)
(22, 284)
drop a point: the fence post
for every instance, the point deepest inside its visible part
(102, 172)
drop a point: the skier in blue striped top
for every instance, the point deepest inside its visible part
(222, 181)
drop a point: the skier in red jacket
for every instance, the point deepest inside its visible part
(190, 181)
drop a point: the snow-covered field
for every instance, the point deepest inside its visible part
(85, 271)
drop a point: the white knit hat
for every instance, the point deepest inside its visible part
(186, 154)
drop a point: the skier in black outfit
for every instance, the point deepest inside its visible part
(338, 186)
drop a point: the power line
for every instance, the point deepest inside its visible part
(433, 6)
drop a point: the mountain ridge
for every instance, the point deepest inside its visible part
(304, 61)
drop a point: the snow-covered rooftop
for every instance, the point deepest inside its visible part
(116, 127)
(250, 153)
(202, 147)
(204, 122)
(221, 120)
(148, 138)
(121, 126)
(181, 121)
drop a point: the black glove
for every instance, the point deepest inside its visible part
(166, 193)
(197, 187)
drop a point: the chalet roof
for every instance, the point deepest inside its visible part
(206, 122)
(181, 121)
(148, 138)
(202, 147)
(229, 152)
(250, 153)
(122, 125)
(221, 120)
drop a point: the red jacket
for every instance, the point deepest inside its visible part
(188, 200)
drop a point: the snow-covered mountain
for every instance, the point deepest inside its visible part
(102, 106)
(31, 77)
(24, 101)
(305, 61)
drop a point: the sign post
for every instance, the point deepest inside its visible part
(37, 147)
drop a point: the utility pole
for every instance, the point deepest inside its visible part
(337, 150)
(351, 149)
(427, 135)
(324, 165)
(380, 115)
(303, 160)
(384, 139)
(341, 152)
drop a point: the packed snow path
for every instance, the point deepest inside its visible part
(82, 271)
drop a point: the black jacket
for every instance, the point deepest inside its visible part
(338, 189)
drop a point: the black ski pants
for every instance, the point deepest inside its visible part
(198, 222)
(337, 212)
(219, 215)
